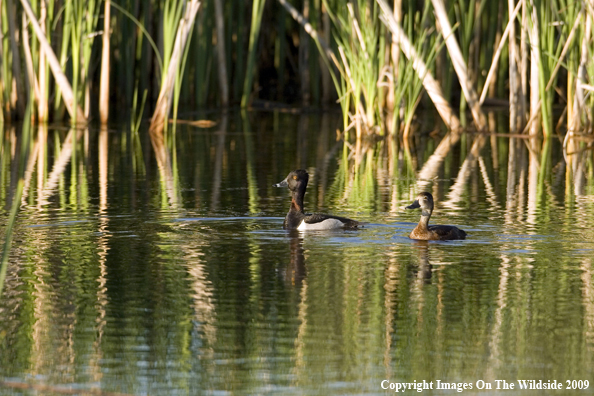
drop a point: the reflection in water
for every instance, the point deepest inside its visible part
(250, 152)
(128, 280)
(424, 266)
(66, 151)
(102, 250)
(296, 271)
(218, 161)
(164, 161)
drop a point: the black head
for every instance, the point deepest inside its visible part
(424, 201)
(296, 180)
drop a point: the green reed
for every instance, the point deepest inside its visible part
(202, 56)
(356, 30)
(409, 87)
(376, 90)
(467, 13)
(257, 11)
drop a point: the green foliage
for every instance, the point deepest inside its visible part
(409, 85)
(263, 46)
(356, 30)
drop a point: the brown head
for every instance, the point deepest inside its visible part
(425, 202)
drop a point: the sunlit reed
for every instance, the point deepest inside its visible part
(78, 55)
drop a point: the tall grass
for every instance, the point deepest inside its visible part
(257, 11)
(244, 53)
(356, 32)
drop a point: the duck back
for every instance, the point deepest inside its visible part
(445, 232)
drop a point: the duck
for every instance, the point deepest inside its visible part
(423, 231)
(297, 219)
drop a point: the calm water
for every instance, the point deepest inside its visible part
(181, 281)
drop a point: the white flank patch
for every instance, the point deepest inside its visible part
(328, 224)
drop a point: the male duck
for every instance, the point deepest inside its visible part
(435, 232)
(297, 219)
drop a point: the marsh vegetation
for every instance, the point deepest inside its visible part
(107, 215)
(379, 61)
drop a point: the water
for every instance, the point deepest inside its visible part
(119, 281)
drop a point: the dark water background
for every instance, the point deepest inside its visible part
(124, 278)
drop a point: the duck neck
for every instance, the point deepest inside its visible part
(425, 216)
(297, 201)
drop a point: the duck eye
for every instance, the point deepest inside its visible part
(294, 177)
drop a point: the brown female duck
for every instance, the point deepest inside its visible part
(423, 231)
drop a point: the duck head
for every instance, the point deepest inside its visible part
(295, 181)
(425, 202)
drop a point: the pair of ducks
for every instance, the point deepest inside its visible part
(297, 219)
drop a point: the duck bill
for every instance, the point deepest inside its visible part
(414, 205)
(281, 184)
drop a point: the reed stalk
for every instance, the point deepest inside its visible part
(76, 43)
(140, 26)
(239, 33)
(524, 60)
(90, 10)
(33, 86)
(321, 43)
(64, 50)
(43, 96)
(546, 50)
(105, 65)
(203, 64)
(257, 11)
(221, 53)
(376, 87)
(429, 83)
(314, 58)
(459, 64)
(75, 111)
(179, 78)
(409, 86)
(509, 31)
(19, 96)
(580, 97)
(328, 57)
(393, 103)
(172, 13)
(514, 74)
(463, 11)
(304, 56)
(165, 96)
(3, 74)
(280, 50)
(326, 74)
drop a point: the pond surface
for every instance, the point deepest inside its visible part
(129, 277)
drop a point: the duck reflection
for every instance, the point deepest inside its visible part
(295, 272)
(424, 268)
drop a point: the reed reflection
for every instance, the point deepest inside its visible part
(66, 152)
(164, 162)
(250, 152)
(218, 167)
(111, 283)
